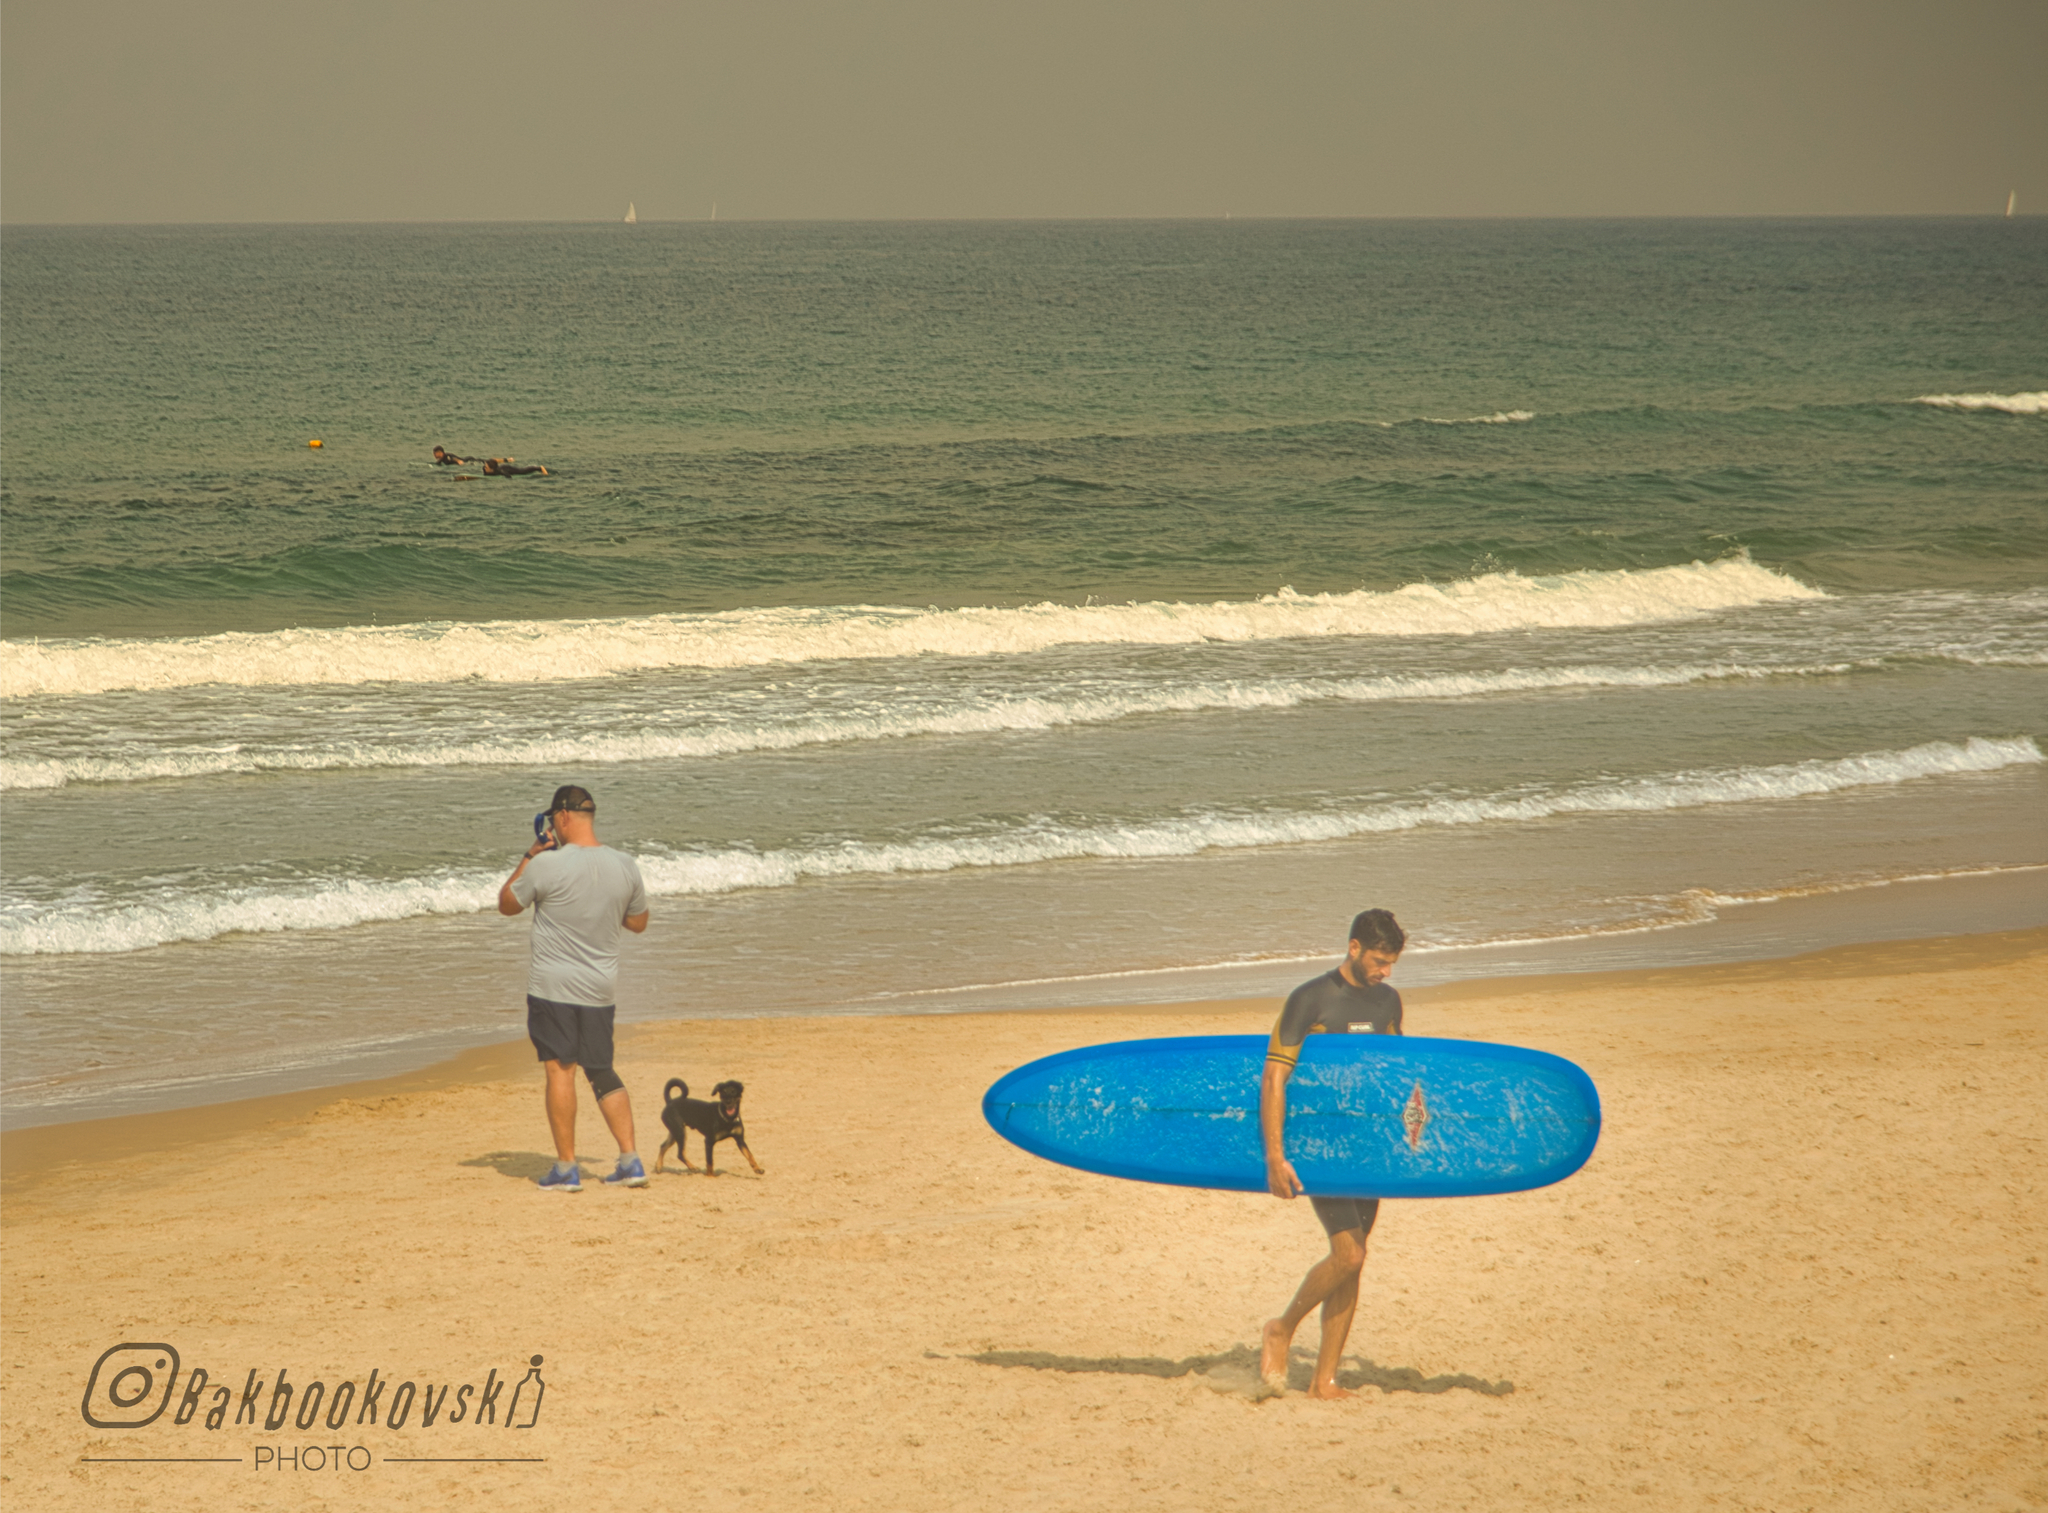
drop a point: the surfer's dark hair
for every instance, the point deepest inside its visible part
(1377, 930)
(570, 797)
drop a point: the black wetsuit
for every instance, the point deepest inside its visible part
(499, 469)
(1330, 1005)
(450, 460)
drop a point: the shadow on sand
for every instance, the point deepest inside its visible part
(531, 1166)
(528, 1166)
(1236, 1371)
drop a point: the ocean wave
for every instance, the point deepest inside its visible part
(1711, 902)
(313, 905)
(1701, 906)
(2035, 403)
(535, 651)
(329, 904)
(1695, 906)
(1972, 658)
(1497, 418)
(967, 716)
(1046, 840)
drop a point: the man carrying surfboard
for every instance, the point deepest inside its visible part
(1353, 999)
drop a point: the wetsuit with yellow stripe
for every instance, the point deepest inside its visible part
(1328, 1005)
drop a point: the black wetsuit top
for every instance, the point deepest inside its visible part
(450, 460)
(1330, 1005)
(506, 470)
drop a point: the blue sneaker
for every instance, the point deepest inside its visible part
(628, 1173)
(559, 1181)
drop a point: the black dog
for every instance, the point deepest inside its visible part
(714, 1121)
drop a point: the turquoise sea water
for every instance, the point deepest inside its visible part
(1006, 607)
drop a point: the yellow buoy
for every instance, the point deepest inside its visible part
(314, 442)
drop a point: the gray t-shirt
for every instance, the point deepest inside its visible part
(581, 896)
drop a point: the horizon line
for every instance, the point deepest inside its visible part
(1024, 220)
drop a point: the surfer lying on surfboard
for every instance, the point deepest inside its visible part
(1353, 999)
(494, 467)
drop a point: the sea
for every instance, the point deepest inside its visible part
(992, 615)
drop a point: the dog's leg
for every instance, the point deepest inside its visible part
(658, 1155)
(709, 1169)
(759, 1169)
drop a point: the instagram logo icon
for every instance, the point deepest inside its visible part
(130, 1386)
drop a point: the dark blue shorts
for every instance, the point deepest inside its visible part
(577, 1034)
(1346, 1213)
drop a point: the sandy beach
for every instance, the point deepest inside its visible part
(1804, 1269)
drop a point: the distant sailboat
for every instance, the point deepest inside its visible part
(2011, 198)
(632, 215)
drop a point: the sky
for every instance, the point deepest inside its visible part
(165, 111)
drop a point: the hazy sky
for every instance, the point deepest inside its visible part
(313, 110)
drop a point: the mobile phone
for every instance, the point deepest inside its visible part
(544, 828)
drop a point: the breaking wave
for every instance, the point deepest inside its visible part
(2035, 403)
(27, 929)
(534, 651)
(965, 715)
(1497, 418)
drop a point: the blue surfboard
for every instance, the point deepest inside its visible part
(1368, 1116)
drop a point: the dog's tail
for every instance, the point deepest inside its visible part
(677, 1088)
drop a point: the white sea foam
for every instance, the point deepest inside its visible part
(320, 905)
(1992, 659)
(28, 930)
(966, 716)
(1497, 418)
(1696, 906)
(532, 651)
(1700, 906)
(1712, 903)
(2035, 403)
(1190, 833)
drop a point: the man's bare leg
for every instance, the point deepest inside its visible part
(1332, 1285)
(1338, 1309)
(561, 1101)
(617, 1109)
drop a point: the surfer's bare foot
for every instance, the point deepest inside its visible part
(1329, 1390)
(1273, 1342)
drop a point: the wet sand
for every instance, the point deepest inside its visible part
(1805, 1268)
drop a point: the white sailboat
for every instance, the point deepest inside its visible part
(2011, 198)
(632, 215)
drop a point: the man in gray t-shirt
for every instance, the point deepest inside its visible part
(583, 894)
